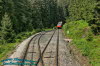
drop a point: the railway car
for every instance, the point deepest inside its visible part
(59, 25)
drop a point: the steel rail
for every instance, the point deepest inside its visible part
(41, 53)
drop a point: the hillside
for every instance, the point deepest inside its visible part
(84, 39)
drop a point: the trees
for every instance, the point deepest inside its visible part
(1, 9)
(84, 10)
(7, 33)
(26, 15)
(81, 9)
(45, 13)
(96, 21)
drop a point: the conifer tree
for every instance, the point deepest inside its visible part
(96, 22)
(6, 29)
(1, 9)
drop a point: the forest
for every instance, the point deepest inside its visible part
(23, 16)
(85, 10)
(18, 16)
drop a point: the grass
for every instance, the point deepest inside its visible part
(84, 39)
(47, 29)
(5, 49)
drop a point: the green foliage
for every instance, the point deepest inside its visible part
(76, 29)
(4, 49)
(7, 34)
(83, 45)
(1, 9)
(90, 37)
(84, 39)
(96, 21)
(85, 10)
(26, 15)
(81, 9)
(24, 35)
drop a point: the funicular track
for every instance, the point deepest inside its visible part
(40, 53)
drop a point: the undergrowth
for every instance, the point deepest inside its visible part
(84, 39)
(7, 48)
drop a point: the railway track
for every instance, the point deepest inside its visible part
(28, 48)
(57, 50)
(41, 51)
(45, 49)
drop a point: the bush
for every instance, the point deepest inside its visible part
(39, 30)
(1, 49)
(90, 37)
(84, 39)
(75, 29)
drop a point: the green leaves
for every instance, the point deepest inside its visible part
(6, 22)
(85, 10)
(6, 29)
(25, 15)
(81, 9)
